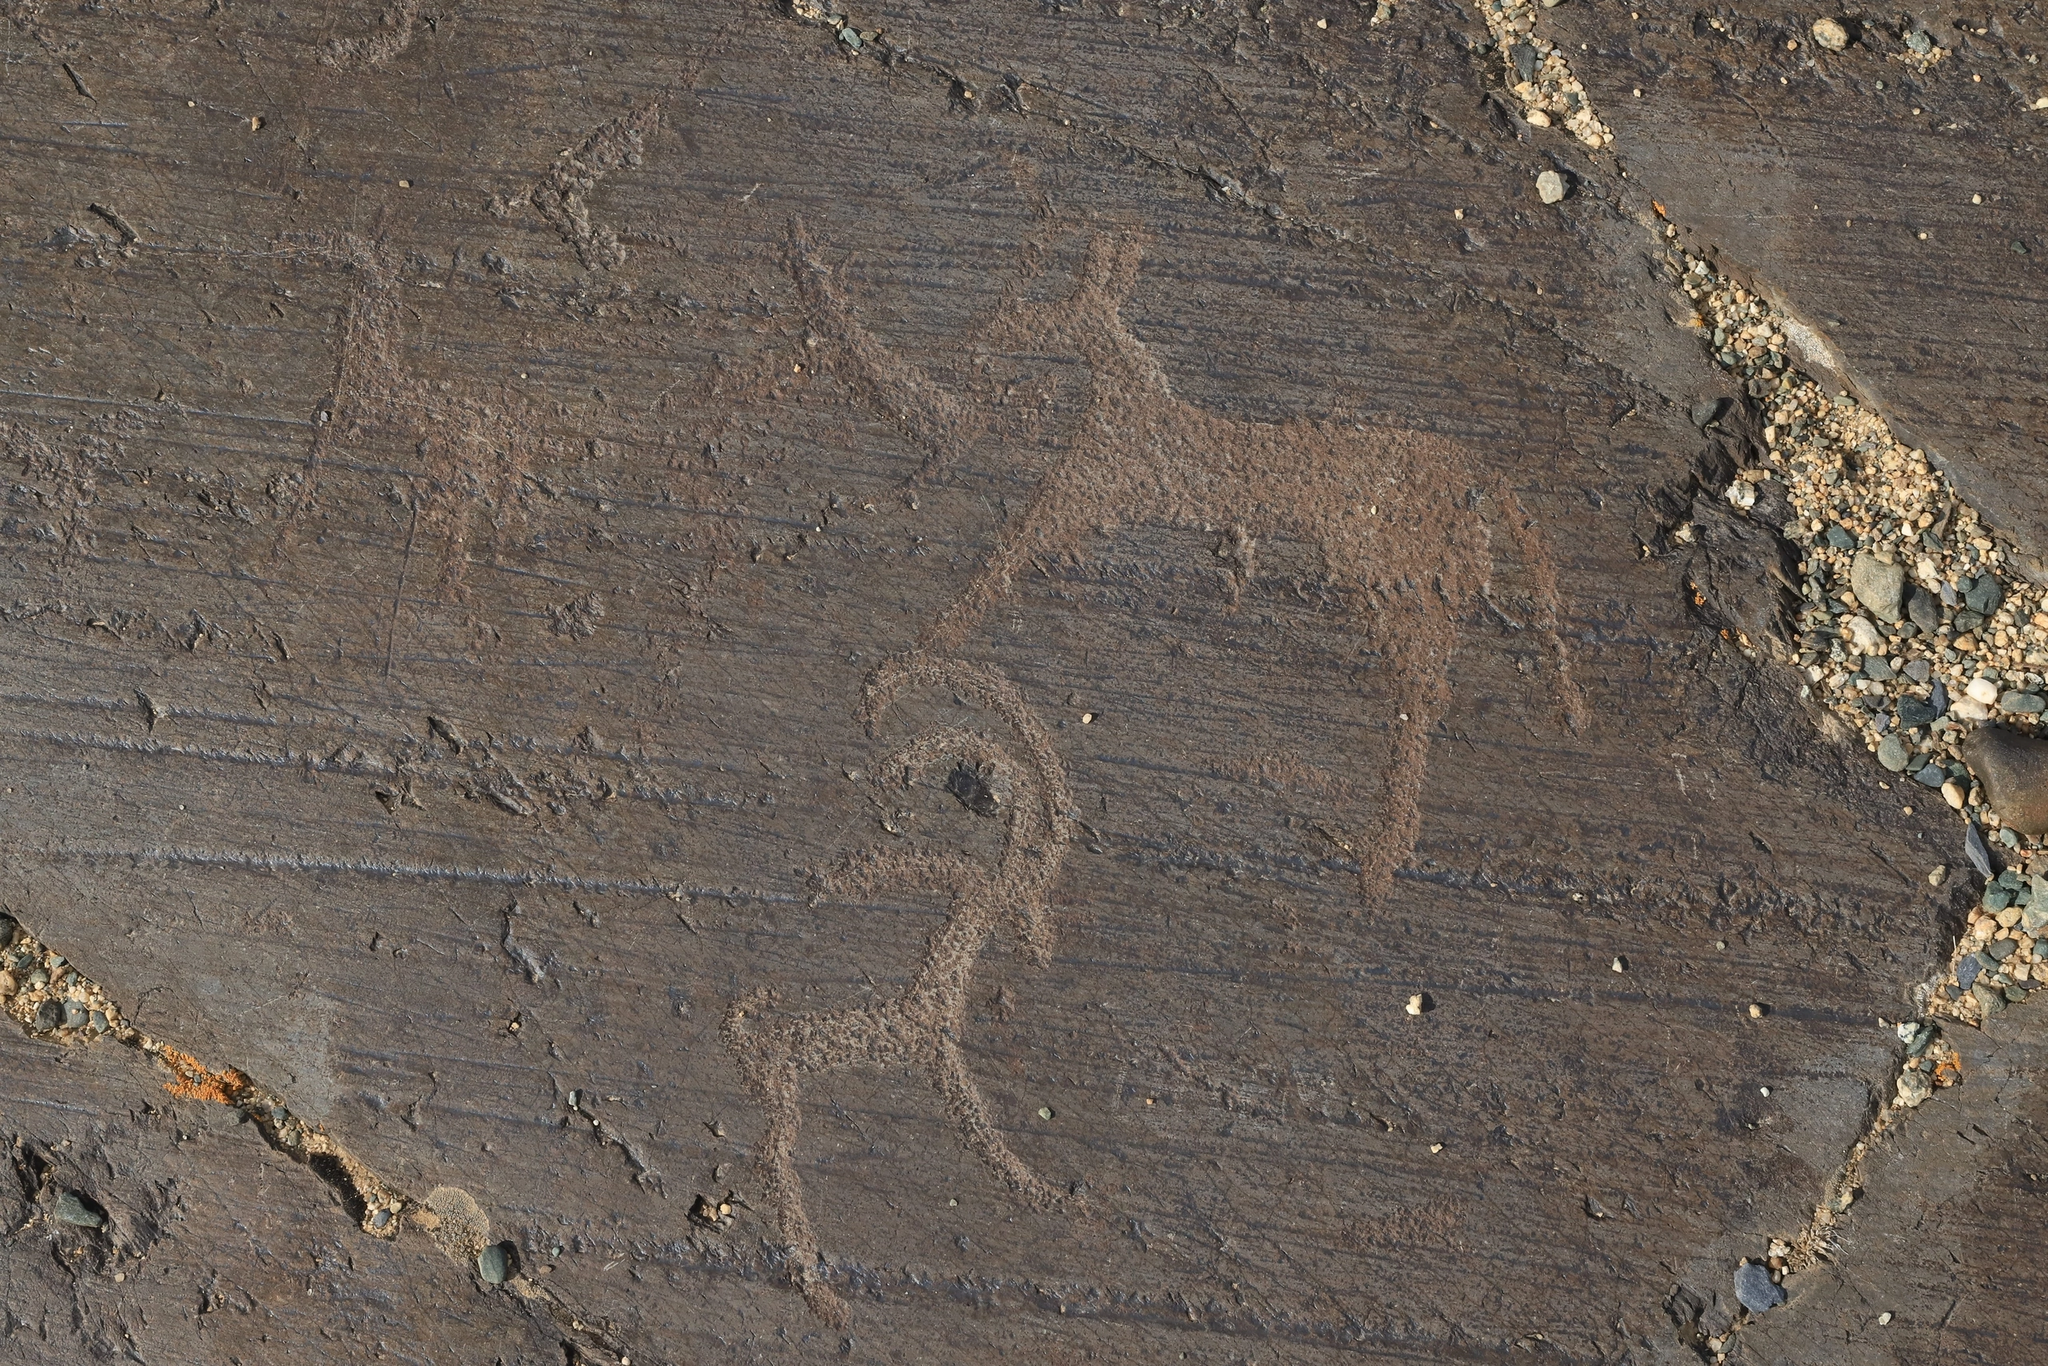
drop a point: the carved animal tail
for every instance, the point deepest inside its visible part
(1533, 549)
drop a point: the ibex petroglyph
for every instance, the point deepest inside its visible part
(1398, 516)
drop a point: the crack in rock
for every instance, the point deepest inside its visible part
(46, 995)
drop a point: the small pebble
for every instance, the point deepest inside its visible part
(1756, 1290)
(1925, 610)
(496, 1263)
(76, 1210)
(1878, 586)
(1973, 847)
(1893, 754)
(1549, 185)
(1830, 34)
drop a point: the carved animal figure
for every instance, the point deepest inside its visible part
(1397, 514)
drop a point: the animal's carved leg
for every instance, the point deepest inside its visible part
(1422, 685)
(1534, 551)
(769, 1066)
(979, 1133)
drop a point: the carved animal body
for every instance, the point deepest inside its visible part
(1397, 515)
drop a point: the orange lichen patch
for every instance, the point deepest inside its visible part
(1948, 1071)
(193, 1080)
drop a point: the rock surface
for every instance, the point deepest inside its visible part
(464, 474)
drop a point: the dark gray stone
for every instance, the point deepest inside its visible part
(79, 1212)
(1984, 596)
(497, 1263)
(1755, 1288)
(1924, 610)
(1916, 711)
(1975, 850)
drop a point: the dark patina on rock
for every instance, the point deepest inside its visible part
(2013, 767)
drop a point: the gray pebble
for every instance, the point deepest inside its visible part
(76, 1014)
(1875, 666)
(1550, 187)
(1990, 1000)
(495, 1263)
(1948, 595)
(1967, 970)
(1974, 850)
(1915, 711)
(1841, 538)
(1525, 60)
(2023, 702)
(1918, 40)
(47, 1017)
(1878, 585)
(76, 1210)
(1934, 775)
(1939, 698)
(2001, 949)
(1925, 611)
(1984, 596)
(1893, 754)
(1756, 1290)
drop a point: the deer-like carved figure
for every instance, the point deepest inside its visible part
(1396, 514)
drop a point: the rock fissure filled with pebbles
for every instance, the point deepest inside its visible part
(1914, 627)
(1539, 76)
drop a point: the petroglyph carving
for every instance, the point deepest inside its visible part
(560, 195)
(1398, 516)
(922, 1027)
(472, 449)
(393, 35)
(1401, 517)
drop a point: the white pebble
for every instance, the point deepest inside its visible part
(1983, 690)
(1550, 187)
